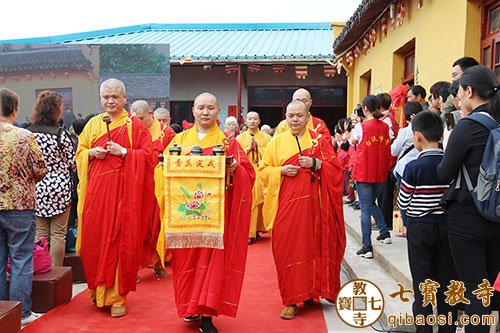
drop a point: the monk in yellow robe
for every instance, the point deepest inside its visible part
(254, 142)
(161, 137)
(208, 281)
(303, 210)
(114, 167)
(313, 123)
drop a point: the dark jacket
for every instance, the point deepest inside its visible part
(465, 145)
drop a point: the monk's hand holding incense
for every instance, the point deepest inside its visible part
(290, 170)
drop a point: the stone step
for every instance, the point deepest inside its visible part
(373, 271)
(393, 257)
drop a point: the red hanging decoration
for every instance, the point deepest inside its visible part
(301, 72)
(401, 13)
(357, 50)
(278, 68)
(329, 71)
(349, 59)
(254, 68)
(231, 69)
(383, 25)
(373, 36)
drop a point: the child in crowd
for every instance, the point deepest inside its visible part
(404, 150)
(420, 195)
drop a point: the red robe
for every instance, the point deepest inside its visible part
(113, 210)
(308, 238)
(209, 281)
(151, 230)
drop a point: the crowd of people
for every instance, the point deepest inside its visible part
(291, 181)
(434, 160)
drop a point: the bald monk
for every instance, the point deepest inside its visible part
(208, 281)
(163, 116)
(313, 123)
(110, 214)
(303, 210)
(161, 137)
(254, 142)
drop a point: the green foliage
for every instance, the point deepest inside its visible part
(186, 193)
(5, 47)
(132, 59)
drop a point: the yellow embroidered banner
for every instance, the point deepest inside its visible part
(194, 201)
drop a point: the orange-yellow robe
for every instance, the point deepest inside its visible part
(262, 139)
(110, 193)
(306, 218)
(315, 124)
(151, 231)
(208, 281)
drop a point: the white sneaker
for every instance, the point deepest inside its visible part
(32, 317)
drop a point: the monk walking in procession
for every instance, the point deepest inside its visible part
(303, 204)
(254, 142)
(114, 160)
(208, 281)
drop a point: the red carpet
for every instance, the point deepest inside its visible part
(152, 309)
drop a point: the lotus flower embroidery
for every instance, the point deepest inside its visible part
(195, 205)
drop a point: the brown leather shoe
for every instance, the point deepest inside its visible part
(289, 312)
(118, 311)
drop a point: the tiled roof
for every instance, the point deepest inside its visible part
(43, 59)
(143, 86)
(360, 21)
(278, 42)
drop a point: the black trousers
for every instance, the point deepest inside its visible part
(385, 201)
(430, 259)
(475, 246)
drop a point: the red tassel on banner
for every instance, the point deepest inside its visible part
(301, 72)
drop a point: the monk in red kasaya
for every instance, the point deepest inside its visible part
(303, 203)
(161, 137)
(114, 159)
(208, 281)
(313, 123)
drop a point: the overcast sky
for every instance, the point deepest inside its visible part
(25, 19)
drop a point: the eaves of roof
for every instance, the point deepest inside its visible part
(218, 43)
(364, 16)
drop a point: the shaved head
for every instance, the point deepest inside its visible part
(113, 84)
(142, 111)
(304, 96)
(206, 95)
(253, 114)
